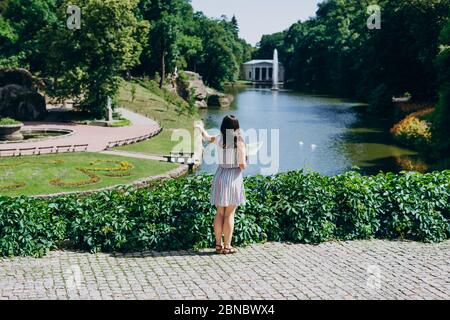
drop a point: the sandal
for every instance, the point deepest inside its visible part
(219, 249)
(230, 250)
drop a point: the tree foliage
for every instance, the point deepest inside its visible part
(88, 62)
(187, 40)
(20, 22)
(222, 53)
(268, 44)
(146, 37)
(335, 51)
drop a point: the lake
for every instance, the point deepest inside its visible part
(316, 133)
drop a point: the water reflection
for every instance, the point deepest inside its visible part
(318, 133)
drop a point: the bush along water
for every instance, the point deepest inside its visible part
(294, 206)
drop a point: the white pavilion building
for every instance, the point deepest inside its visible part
(261, 71)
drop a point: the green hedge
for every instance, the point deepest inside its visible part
(176, 214)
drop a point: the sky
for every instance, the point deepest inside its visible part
(259, 17)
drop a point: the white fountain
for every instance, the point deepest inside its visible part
(275, 71)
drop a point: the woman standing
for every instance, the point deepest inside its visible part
(227, 190)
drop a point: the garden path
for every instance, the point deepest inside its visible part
(135, 155)
(96, 137)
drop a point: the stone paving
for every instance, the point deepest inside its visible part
(96, 136)
(342, 270)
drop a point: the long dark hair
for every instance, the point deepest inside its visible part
(229, 123)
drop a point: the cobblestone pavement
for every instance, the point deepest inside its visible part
(345, 270)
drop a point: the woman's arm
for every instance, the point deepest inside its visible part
(241, 154)
(205, 134)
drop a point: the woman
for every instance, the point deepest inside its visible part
(227, 190)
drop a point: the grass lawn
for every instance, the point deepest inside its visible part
(159, 145)
(47, 174)
(151, 102)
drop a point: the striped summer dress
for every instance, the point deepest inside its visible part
(227, 187)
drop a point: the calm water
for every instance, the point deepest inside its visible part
(322, 134)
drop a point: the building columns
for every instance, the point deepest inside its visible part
(261, 73)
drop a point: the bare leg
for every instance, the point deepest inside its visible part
(228, 225)
(218, 225)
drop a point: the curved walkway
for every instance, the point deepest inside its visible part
(337, 270)
(95, 136)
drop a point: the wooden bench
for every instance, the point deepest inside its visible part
(80, 147)
(176, 157)
(9, 152)
(66, 148)
(182, 154)
(182, 158)
(29, 151)
(42, 150)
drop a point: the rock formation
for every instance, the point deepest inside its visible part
(19, 98)
(219, 99)
(203, 95)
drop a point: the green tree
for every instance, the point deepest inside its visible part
(268, 44)
(335, 52)
(8, 39)
(217, 62)
(234, 26)
(165, 33)
(168, 19)
(189, 48)
(20, 22)
(187, 40)
(88, 63)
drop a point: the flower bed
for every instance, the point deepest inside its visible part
(413, 131)
(176, 214)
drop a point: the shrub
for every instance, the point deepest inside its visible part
(304, 206)
(413, 131)
(9, 122)
(101, 222)
(358, 206)
(415, 206)
(176, 214)
(29, 227)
